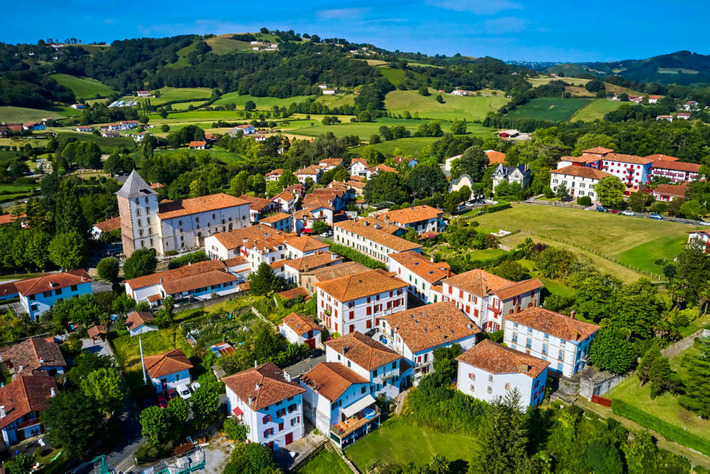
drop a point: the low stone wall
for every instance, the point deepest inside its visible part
(684, 344)
(599, 384)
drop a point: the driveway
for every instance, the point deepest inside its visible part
(97, 347)
(300, 368)
(217, 455)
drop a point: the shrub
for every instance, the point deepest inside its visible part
(585, 201)
(356, 256)
(108, 268)
(234, 430)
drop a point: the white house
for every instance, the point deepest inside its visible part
(238, 242)
(375, 362)
(355, 302)
(420, 218)
(299, 247)
(487, 298)
(417, 332)
(519, 174)
(291, 270)
(279, 221)
(266, 401)
(312, 172)
(490, 370)
(700, 236)
(561, 340)
(338, 402)
(168, 370)
(359, 167)
(423, 276)
(449, 163)
(23, 400)
(38, 295)
(298, 328)
(578, 180)
(371, 240)
(677, 171)
(274, 175)
(139, 322)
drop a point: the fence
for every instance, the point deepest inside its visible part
(685, 343)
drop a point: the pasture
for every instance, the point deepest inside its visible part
(547, 108)
(454, 107)
(84, 87)
(11, 114)
(262, 103)
(224, 44)
(364, 130)
(595, 110)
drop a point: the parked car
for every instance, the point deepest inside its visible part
(162, 400)
(656, 216)
(316, 353)
(184, 391)
(628, 213)
(171, 393)
(613, 211)
(194, 386)
(601, 209)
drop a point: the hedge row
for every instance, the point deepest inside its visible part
(671, 432)
(355, 256)
(490, 209)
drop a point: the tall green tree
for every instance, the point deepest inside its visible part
(155, 425)
(610, 191)
(68, 250)
(385, 187)
(264, 280)
(697, 380)
(71, 420)
(426, 180)
(473, 162)
(611, 351)
(106, 388)
(141, 262)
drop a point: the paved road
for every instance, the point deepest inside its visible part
(121, 460)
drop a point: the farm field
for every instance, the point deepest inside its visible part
(325, 462)
(634, 241)
(470, 108)
(546, 108)
(596, 109)
(362, 129)
(170, 94)
(399, 441)
(224, 44)
(84, 87)
(10, 114)
(106, 143)
(261, 102)
(573, 81)
(336, 100)
(395, 76)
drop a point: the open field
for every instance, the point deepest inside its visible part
(395, 76)
(261, 102)
(84, 87)
(454, 107)
(399, 441)
(336, 100)
(573, 81)
(546, 108)
(9, 114)
(596, 109)
(106, 143)
(325, 462)
(633, 241)
(362, 129)
(224, 44)
(170, 94)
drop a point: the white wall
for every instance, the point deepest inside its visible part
(483, 385)
(345, 317)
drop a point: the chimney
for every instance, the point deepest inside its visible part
(287, 376)
(52, 392)
(20, 369)
(41, 360)
(572, 313)
(161, 280)
(257, 386)
(250, 400)
(2, 412)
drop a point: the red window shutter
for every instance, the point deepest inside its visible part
(368, 324)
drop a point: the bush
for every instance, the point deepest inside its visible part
(355, 256)
(194, 257)
(585, 201)
(108, 268)
(142, 262)
(234, 430)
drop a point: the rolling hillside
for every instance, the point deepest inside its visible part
(84, 87)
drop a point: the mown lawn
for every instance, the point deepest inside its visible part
(12, 114)
(84, 87)
(547, 108)
(325, 462)
(400, 441)
(662, 250)
(454, 107)
(596, 109)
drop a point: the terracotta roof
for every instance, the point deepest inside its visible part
(202, 280)
(422, 266)
(25, 395)
(186, 207)
(555, 324)
(8, 289)
(495, 157)
(313, 201)
(287, 196)
(659, 157)
(411, 215)
(109, 225)
(256, 203)
(676, 165)
(306, 244)
(518, 288)
(176, 274)
(300, 323)
(331, 379)
(248, 235)
(383, 226)
(32, 354)
(167, 363)
(360, 285)
(8, 218)
(309, 170)
(582, 172)
(293, 293)
(671, 189)
(337, 271)
(155, 185)
(97, 330)
(584, 159)
(432, 325)
(53, 281)
(619, 157)
(276, 172)
(331, 162)
(362, 161)
(599, 150)
(273, 218)
(478, 282)
(262, 386)
(495, 358)
(377, 235)
(195, 144)
(155, 297)
(316, 260)
(235, 261)
(137, 319)
(363, 351)
(700, 231)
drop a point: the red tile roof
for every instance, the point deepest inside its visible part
(262, 386)
(495, 358)
(53, 281)
(167, 363)
(186, 207)
(599, 150)
(676, 166)
(247, 236)
(621, 158)
(256, 203)
(411, 215)
(293, 293)
(195, 144)
(313, 261)
(519, 288)
(422, 266)
(273, 218)
(671, 189)
(555, 324)
(109, 225)
(378, 236)
(352, 287)
(25, 395)
(195, 282)
(495, 157)
(581, 172)
(331, 379)
(31, 355)
(306, 244)
(363, 351)
(176, 274)
(8, 289)
(96, 330)
(659, 157)
(300, 323)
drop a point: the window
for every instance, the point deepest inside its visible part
(269, 432)
(281, 426)
(544, 348)
(562, 355)
(266, 419)
(489, 389)
(515, 337)
(472, 376)
(490, 377)
(295, 420)
(280, 413)
(473, 388)
(507, 386)
(528, 343)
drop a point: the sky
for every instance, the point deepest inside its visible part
(530, 30)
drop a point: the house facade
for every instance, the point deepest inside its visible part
(578, 180)
(420, 218)
(23, 400)
(423, 276)
(140, 322)
(678, 172)
(38, 295)
(702, 237)
(371, 240)
(511, 174)
(168, 370)
(298, 328)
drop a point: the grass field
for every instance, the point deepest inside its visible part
(170, 94)
(325, 462)
(400, 441)
(470, 108)
(362, 129)
(633, 241)
(261, 102)
(596, 109)
(84, 87)
(336, 100)
(224, 44)
(106, 143)
(546, 108)
(395, 76)
(16, 188)
(10, 114)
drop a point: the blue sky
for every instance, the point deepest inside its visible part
(538, 30)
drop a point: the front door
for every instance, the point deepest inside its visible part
(311, 343)
(164, 384)
(289, 438)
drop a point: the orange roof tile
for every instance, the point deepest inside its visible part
(248, 235)
(422, 266)
(621, 158)
(331, 379)
(137, 319)
(28, 356)
(518, 288)
(300, 323)
(53, 281)
(294, 293)
(306, 244)
(256, 203)
(555, 324)
(363, 351)
(337, 271)
(96, 330)
(495, 157)
(411, 215)
(360, 285)
(378, 236)
(175, 274)
(167, 363)
(581, 172)
(676, 165)
(201, 280)
(313, 261)
(478, 282)
(659, 157)
(25, 395)
(262, 386)
(671, 189)
(600, 150)
(495, 358)
(186, 207)
(274, 218)
(109, 225)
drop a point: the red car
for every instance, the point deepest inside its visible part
(613, 211)
(162, 401)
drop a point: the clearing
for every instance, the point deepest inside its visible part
(398, 440)
(84, 87)
(12, 114)
(261, 102)
(547, 108)
(224, 44)
(632, 241)
(469, 107)
(596, 110)
(325, 462)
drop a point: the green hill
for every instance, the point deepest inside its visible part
(84, 87)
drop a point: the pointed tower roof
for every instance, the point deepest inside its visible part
(135, 186)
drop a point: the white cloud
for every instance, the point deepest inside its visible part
(339, 13)
(479, 7)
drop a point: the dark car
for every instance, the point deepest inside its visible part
(601, 209)
(316, 353)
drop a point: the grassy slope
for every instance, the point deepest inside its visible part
(399, 441)
(224, 44)
(84, 87)
(261, 102)
(395, 76)
(546, 108)
(470, 108)
(596, 109)
(362, 129)
(325, 462)
(10, 114)
(634, 241)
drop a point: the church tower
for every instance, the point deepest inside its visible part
(138, 210)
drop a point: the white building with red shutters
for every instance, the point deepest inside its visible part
(298, 328)
(700, 236)
(487, 298)
(676, 171)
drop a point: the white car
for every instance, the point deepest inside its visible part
(194, 386)
(628, 213)
(183, 391)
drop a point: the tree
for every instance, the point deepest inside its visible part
(20, 464)
(205, 400)
(595, 85)
(585, 201)
(511, 270)
(424, 90)
(385, 187)
(445, 362)
(106, 388)
(320, 227)
(141, 262)
(637, 201)
(264, 280)
(71, 420)
(610, 191)
(287, 179)
(697, 380)
(439, 99)
(164, 316)
(691, 285)
(439, 464)
(154, 425)
(562, 192)
(235, 430)
(250, 105)
(108, 268)
(611, 351)
(473, 162)
(426, 180)
(692, 209)
(178, 411)
(240, 183)
(68, 250)
(459, 127)
(251, 458)
(602, 455)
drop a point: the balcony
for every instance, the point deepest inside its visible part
(363, 416)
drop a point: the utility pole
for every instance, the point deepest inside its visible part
(140, 344)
